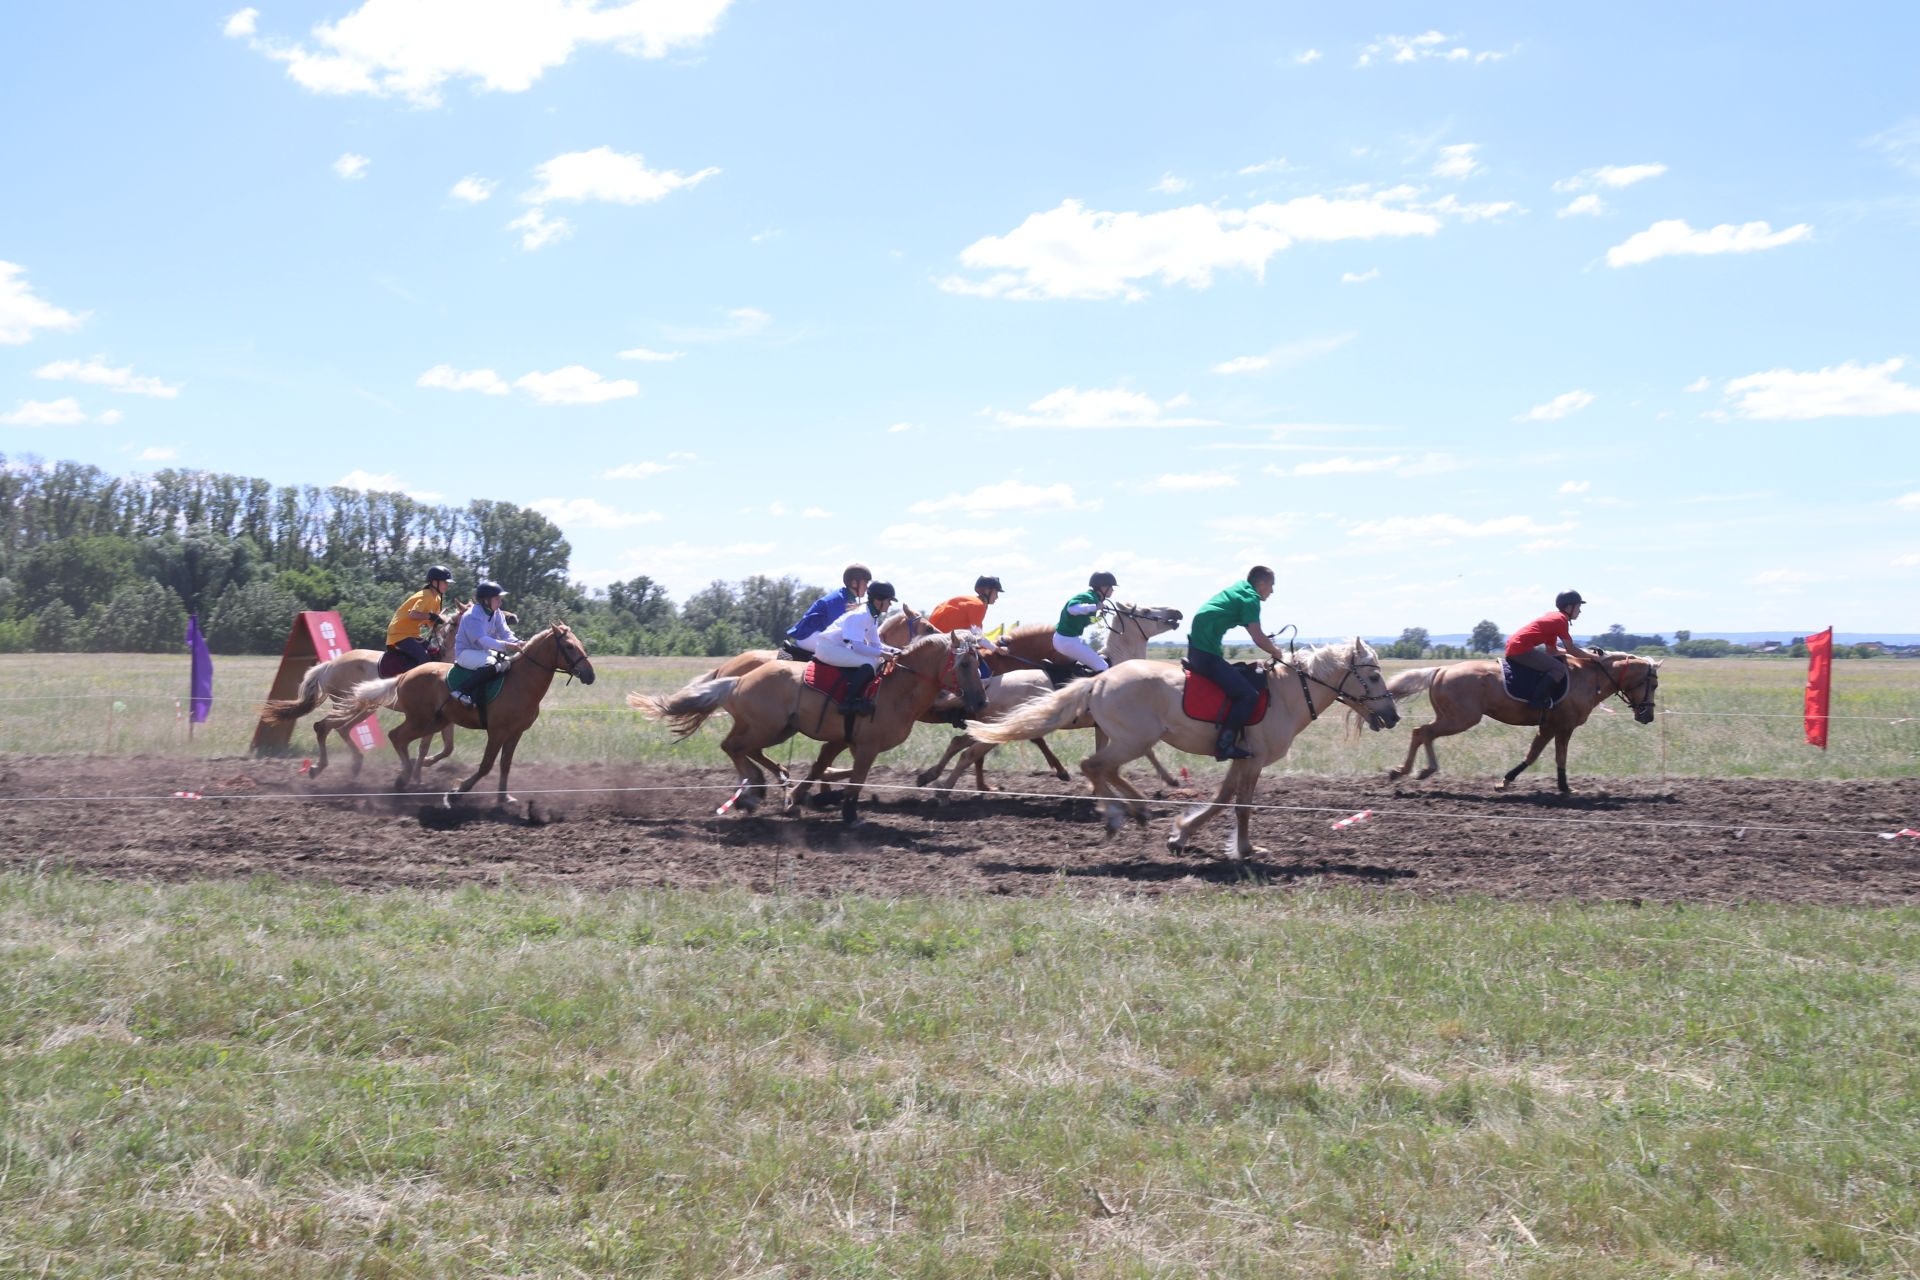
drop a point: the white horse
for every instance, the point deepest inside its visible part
(1137, 704)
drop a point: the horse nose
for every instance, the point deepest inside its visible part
(586, 674)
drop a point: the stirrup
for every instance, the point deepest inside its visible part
(1227, 746)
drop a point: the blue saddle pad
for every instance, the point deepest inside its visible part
(1536, 688)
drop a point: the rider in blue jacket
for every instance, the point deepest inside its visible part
(805, 634)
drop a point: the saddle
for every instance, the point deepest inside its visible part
(837, 684)
(482, 685)
(1535, 688)
(1064, 673)
(1204, 700)
(793, 652)
(397, 662)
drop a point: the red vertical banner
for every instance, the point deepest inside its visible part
(1819, 686)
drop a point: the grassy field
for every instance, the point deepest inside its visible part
(1724, 717)
(262, 1079)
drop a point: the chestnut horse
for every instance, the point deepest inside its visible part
(1463, 692)
(421, 694)
(772, 703)
(335, 678)
(1137, 704)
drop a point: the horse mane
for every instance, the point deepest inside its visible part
(928, 641)
(1030, 631)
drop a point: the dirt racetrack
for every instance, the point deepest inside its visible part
(1682, 839)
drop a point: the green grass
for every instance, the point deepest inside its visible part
(1731, 717)
(262, 1079)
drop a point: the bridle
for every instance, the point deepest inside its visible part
(1650, 684)
(948, 681)
(1133, 615)
(560, 647)
(1356, 702)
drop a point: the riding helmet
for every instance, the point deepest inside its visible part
(880, 590)
(441, 572)
(1102, 579)
(855, 570)
(1567, 599)
(487, 589)
(986, 584)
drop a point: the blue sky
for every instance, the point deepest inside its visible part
(1438, 309)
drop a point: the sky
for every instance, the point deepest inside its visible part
(1437, 309)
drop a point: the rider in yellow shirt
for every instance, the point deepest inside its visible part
(414, 620)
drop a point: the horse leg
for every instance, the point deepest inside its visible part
(828, 752)
(446, 745)
(753, 783)
(1100, 774)
(1199, 815)
(955, 745)
(506, 767)
(1533, 753)
(398, 739)
(1560, 742)
(1053, 761)
(862, 762)
(1136, 803)
(1165, 777)
(486, 767)
(1241, 844)
(320, 733)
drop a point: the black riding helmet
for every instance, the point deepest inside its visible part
(880, 591)
(984, 583)
(488, 589)
(440, 573)
(1102, 579)
(1567, 599)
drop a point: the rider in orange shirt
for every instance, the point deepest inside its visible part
(967, 613)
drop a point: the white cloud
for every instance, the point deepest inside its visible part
(898, 427)
(537, 229)
(1908, 560)
(22, 311)
(585, 513)
(1611, 176)
(1781, 578)
(742, 322)
(1674, 236)
(1427, 46)
(1190, 482)
(1850, 391)
(1007, 495)
(448, 378)
(1307, 58)
(1908, 502)
(1900, 145)
(1171, 185)
(1457, 161)
(637, 471)
(575, 384)
(1472, 211)
(1560, 406)
(64, 412)
(1266, 166)
(651, 357)
(816, 513)
(240, 24)
(351, 166)
(156, 453)
(1284, 356)
(1342, 466)
(1700, 383)
(606, 174)
(1589, 205)
(1071, 407)
(1076, 252)
(97, 372)
(1576, 486)
(928, 537)
(372, 481)
(1444, 528)
(410, 48)
(1360, 277)
(473, 189)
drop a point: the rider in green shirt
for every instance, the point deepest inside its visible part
(1237, 606)
(1075, 617)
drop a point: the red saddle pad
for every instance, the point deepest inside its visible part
(832, 681)
(1203, 700)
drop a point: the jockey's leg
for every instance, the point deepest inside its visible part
(1074, 649)
(1241, 700)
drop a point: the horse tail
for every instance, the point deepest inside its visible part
(1412, 683)
(366, 697)
(275, 710)
(688, 709)
(1037, 718)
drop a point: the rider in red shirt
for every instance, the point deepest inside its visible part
(1533, 645)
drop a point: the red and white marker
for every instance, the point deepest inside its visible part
(306, 766)
(1359, 817)
(188, 795)
(1909, 832)
(737, 793)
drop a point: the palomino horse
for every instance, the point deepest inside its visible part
(421, 694)
(771, 703)
(1137, 704)
(333, 679)
(1018, 680)
(1465, 691)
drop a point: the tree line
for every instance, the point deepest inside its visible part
(91, 561)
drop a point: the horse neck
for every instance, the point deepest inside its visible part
(1031, 644)
(925, 686)
(546, 647)
(895, 630)
(1316, 685)
(1126, 640)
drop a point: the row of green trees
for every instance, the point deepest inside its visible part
(95, 562)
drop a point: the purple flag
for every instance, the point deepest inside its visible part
(200, 686)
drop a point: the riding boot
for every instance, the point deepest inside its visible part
(1227, 746)
(858, 704)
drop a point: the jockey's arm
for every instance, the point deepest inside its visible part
(1262, 641)
(1576, 651)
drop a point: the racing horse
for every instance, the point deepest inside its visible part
(421, 695)
(772, 703)
(1464, 692)
(1137, 704)
(335, 678)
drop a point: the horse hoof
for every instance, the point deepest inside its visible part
(1176, 843)
(447, 798)
(1394, 775)
(1063, 775)
(1424, 774)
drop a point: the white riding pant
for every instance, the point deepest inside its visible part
(474, 659)
(810, 643)
(1078, 650)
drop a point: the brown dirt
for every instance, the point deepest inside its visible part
(1634, 839)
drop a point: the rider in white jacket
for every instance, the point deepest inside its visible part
(852, 643)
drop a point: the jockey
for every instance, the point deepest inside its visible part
(968, 613)
(1075, 617)
(852, 643)
(484, 634)
(803, 635)
(414, 621)
(1532, 646)
(1237, 606)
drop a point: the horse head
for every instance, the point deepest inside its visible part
(965, 657)
(1353, 673)
(1635, 679)
(569, 655)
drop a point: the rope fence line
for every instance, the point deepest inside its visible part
(715, 787)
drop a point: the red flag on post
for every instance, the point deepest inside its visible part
(1819, 686)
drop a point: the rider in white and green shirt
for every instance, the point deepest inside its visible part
(1077, 616)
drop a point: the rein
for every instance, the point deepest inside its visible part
(1620, 689)
(571, 668)
(1340, 693)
